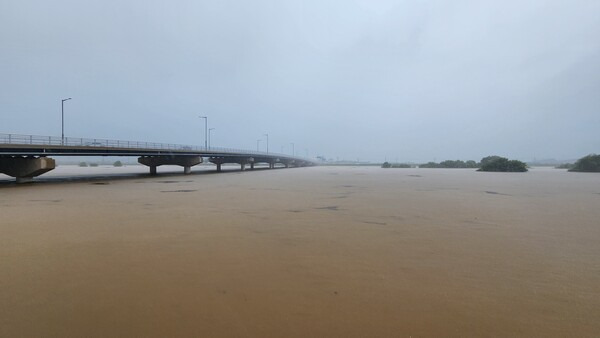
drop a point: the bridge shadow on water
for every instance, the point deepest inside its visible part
(103, 179)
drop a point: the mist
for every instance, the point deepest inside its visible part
(407, 80)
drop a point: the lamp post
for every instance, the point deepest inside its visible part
(62, 113)
(209, 130)
(267, 135)
(205, 131)
(257, 145)
(293, 150)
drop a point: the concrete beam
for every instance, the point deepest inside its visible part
(187, 162)
(24, 169)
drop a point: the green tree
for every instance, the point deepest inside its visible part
(488, 159)
(471, 164)
(589, 163)
(502, 164)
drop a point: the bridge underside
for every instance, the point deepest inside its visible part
(187, 162)
(24, 169)
(252, 161)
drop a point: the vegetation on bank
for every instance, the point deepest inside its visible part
(502, 164)
(489, 163)
(451, 164)
(564, 166)
(589, 163)
(118, 164)
(395, 165)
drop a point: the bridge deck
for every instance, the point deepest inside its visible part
(33, 145)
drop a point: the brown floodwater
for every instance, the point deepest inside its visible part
(324, 251)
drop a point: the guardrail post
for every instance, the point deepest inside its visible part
(9, 138)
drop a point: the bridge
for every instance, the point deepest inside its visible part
(27, 156)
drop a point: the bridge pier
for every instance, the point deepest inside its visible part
(187, 162)
(241, 160)
(24, 169)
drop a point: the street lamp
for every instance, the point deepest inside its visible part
(267, 135)
(293, 150)
(257, 145)
(205, 131)
(62, 111)
(209, 130)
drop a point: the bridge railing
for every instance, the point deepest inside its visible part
(19, 139)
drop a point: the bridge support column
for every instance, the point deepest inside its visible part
(241, 160)
(24, 169)
(218, 161)
(187, 162)
(252, 166)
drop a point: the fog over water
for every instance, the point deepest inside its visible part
(413, 80)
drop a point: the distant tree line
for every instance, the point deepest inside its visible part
(589, 163)
(564, 166)
(395, 165)
(489, 163)
(451, 164)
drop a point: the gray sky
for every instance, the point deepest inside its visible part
(413, 80)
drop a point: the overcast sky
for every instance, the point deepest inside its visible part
(367, 79)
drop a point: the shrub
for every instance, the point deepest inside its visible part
(386, 165)
(590, 163)
(83, 164)
(502, 164)
(93, 164)
(118, 164)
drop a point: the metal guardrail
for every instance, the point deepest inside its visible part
(18, 139)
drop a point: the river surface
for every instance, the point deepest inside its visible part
(304, 252)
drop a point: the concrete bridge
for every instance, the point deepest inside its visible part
(27, 156)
